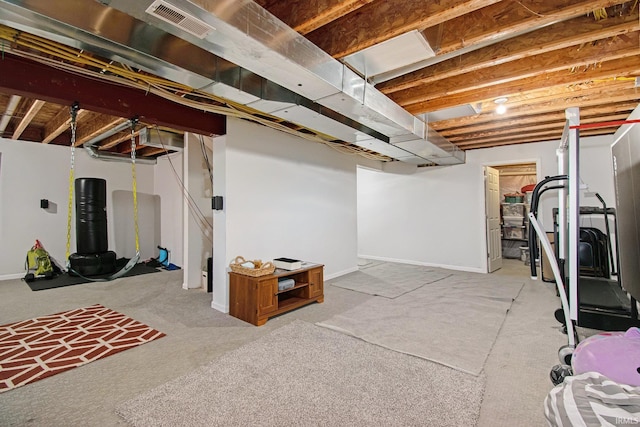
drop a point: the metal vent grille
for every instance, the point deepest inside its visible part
(180, 19)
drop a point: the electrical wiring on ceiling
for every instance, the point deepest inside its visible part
(80, 62)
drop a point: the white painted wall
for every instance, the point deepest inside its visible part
(284, 197)
(30, 172)
(168, 186)
(197, 211)
(436, 216)
(220, 297)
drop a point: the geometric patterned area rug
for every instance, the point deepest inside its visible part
(39, 348)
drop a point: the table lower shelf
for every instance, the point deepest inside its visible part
(287, 304)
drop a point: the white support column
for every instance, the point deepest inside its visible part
(573, 117)
(220, 300)
(185, 213)
(197, 213)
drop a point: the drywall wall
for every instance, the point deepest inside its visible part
(197, 209)
(30, 172)
(436, 216)
(284, 197)
(220, 300)
(168, 186)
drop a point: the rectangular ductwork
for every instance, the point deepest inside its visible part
(168, 13)
(242, 53)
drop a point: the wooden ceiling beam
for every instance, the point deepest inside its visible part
(117, 139)
(538, 100)
(554, 99)
(530, 135)
(35, 106)
(305, 16)
(533, 120)
(525, 112)
(60, 123)
(544, 135)
(126, 148)
(152, 151)
(12, 103)
(561, 35)
(384, 19)
(602, 98)
(532, 139)
(505, 19)
(626, 67)
(31, 134)
(537, 66)
(94, 125)
(554, 125)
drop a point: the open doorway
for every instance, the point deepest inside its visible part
(513, 203)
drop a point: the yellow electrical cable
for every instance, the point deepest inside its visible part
(160, 86)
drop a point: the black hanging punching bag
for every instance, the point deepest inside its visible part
(91, 216)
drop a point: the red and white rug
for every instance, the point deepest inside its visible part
(38, 348)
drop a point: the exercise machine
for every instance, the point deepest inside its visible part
(595, 301)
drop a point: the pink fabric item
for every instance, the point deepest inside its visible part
(615, 355)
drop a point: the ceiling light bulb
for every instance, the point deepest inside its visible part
(501, 109)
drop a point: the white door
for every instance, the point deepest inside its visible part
(492, 211)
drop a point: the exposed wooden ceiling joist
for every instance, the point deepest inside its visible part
(305, 16)
(529, 109)
(60, 123)
(543, 55)
(506, 18)
(537, 66)
(626, 67)
(97, 125)
(379, 21)
(34, 108)
(562, 35)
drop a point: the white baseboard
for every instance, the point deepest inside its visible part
(12, 276)
(425, 264)
(340, 273)
(220, 307)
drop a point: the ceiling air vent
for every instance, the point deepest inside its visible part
(179, 18)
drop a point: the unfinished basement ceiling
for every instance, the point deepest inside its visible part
(543, 56)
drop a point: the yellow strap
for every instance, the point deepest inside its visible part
(134, 186)
(69, 213)
(73, 112)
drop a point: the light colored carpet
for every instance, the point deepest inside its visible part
(389, 280)
(453, 321)
(301, 374)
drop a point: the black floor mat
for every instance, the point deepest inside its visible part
(65, 279)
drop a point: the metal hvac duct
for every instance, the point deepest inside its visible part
(158, 138)
(237, 50)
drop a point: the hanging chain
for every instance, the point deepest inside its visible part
(134, 185)
(74, 115)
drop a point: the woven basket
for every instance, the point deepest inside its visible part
(266, 268)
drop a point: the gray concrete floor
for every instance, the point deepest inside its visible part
(517, 370)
